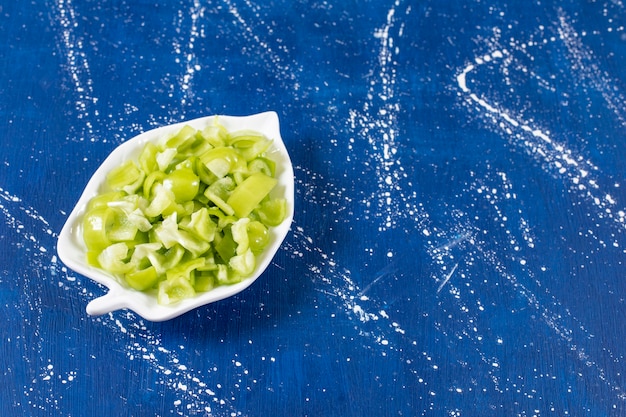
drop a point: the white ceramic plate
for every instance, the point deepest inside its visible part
(72, 250)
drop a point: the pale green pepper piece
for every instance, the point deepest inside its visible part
(215, 134)
(113, 258)
(243, 264)
(272, 212)
(95, 225)
(200, 224)
(222, 161)
(218, 192)
(147, 158)
(165, 158)
(174, 290)
(169, 235)
(183, 183)
(263, 165)
(258, 236)
(239, 230)
(142, 279)
(225, 246)
(205, 281)
(127, 177)
(183, 139)
(224, 276)
(172, 257)
(121, 228)
(103, 200)
(148, 251)
(185, 269)
(163, 198)
(250, 193)
(249, 144)
(154, 178)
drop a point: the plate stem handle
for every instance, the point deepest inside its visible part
(106, 304)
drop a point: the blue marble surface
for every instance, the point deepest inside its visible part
(459, 240)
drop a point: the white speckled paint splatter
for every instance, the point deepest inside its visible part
(376, 123)
(185, 55)
(254, 32)
(557, 160)
(76, 63)
(562, 161)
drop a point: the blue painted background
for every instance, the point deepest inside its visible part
(459, 240)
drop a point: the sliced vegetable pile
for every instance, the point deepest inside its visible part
(191, 213)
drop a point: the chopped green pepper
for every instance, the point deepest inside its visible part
(191, 213)
(250, 193)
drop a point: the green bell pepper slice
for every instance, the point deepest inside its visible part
(250, 193)
(142, 279)
(174, 290)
